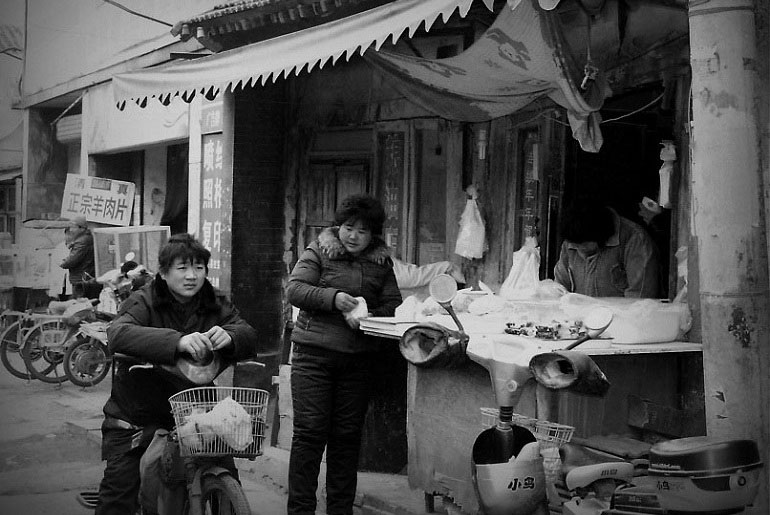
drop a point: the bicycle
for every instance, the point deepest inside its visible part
(44, 344)
(211, 487)
(10, 340)
(198, 452)
(15, 338)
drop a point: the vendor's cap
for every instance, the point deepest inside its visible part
(79, 221)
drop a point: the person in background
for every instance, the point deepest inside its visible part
(179, 312)
(80, 262)
(332, 361)
(606, 255)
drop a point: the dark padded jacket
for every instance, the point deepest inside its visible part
(81, 258)
(148, 327)
(326, 268)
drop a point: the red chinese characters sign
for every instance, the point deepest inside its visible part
(98, 199)
(216, 198)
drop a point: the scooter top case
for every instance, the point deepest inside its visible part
(694, 475)
(701, 456)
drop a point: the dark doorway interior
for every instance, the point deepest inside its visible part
(175, 208)
(626, 169)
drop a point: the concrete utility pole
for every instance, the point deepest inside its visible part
(729, 224)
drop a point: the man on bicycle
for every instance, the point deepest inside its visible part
(178, 313)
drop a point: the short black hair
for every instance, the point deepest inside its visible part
(185, 247)
(587, 221)
(364, 208)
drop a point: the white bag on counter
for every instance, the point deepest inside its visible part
(634, 321)
(524, 277)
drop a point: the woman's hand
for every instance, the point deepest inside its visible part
(219, 337)
(345, 302)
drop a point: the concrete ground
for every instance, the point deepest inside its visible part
(49, 452)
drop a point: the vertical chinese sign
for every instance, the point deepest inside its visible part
(98, 199)
(216, 194)
(391, 165)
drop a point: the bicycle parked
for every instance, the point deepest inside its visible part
(32, 344)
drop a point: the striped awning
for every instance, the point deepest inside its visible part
(279, 57)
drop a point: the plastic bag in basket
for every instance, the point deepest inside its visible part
(233, 423)
(227, 419)
(194, 433)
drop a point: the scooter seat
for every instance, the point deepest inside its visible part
(583, 466)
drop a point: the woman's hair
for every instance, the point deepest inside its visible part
(364, 208)
(587, 221)
(185, 247)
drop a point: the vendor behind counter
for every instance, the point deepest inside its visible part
(606, 255)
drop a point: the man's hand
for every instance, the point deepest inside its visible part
(196, 345)
(345, 302)
(219, 337)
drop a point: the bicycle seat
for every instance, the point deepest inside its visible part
(583, 466)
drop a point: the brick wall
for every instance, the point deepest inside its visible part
(258, 215)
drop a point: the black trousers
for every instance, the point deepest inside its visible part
(330, 395)
(123, 450)
(119, 489)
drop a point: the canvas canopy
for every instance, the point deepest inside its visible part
(520, 58)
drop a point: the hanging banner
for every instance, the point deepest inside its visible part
(98, 199)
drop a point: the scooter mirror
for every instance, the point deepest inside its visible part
(568, 369)
(443, 288)
(597, 320)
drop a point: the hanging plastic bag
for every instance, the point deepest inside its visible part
(471, 240)
(524, 278)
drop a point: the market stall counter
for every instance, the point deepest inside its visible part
(444, 405)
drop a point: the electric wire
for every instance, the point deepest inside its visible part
(130, 11)
(635, 111)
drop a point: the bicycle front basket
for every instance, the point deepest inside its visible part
(220, 420)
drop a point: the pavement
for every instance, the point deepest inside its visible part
(49, 451)
(266, 476)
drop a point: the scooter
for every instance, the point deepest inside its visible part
(508, 459)
(87, 358)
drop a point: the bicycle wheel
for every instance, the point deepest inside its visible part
(9, 352)
(43, 351)
(86, 362)
(222, 495)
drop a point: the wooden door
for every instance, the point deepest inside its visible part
(326, 184)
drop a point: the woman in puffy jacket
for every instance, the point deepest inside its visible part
(332, 360)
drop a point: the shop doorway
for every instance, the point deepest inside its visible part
(626, 169)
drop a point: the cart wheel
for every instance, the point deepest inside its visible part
(9, 352)
(86, 362)
(43, 351)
